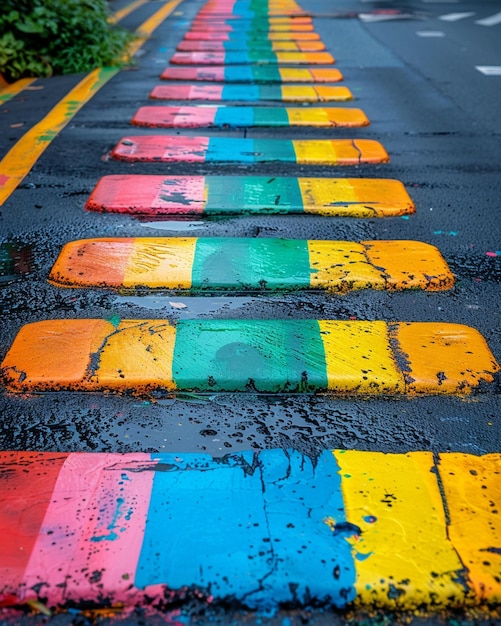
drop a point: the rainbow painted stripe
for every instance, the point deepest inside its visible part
(209, 34)
(236, 195)
(253, 74)
(174, 148)
(244, 264)
(251, 57)
(247, 117)
(258, 529)
(252, 93)
(264, 356)
(256, 44)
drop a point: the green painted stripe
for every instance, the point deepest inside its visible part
(270, 116)
(282, 151)
(295, 361)
(246, 261)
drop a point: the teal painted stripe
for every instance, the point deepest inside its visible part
(278, 356)
(271, 92)
(263, 45)
(243, 93)
(253, 194)
(271, 116)
(267, 150)
(249, 526)
(252, 73)
(251, 264)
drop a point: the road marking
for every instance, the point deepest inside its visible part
(389, 531)
(455, 17)
(252, 93)
(489, 70)
(250, 57)
(10, 91)
(259, 26)
(247, 117)
(173, 148)
(118, 16)
(253, 74)
(493, 20)
(202, 264)
(256, 44)
(236, 195)
(200, 35)
(430, 33)
(19, 160)
(268, 356)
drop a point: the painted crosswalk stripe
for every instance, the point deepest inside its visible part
(252, 93)
(258, 56)
(248, 26)
(265, 22)
(268, 356)
(253, 74)
(455, 17)
(212, 35)
(174, 148)
(235, 195)
(399, 531)
(246, 117)
(256, 45)
(245, 264)
(492, 20)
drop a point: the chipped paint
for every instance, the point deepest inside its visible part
(235, 195)
(267, 356)
(243, 264)
(253, 74)
(252, 93)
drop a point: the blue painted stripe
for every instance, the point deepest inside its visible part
(234, 116)
(249, 527)
(244, 93)
(239, 73)
(235, 150)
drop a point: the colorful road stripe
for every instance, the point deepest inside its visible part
(8, 91)
(247, 117)
(236, 195)
(253, 74)
(349, 528)
(225, 25)
(259, 45)
(252, 93)
(213, 35)
(174, 148)
(250, 57)
(232, 263)
(265, 356)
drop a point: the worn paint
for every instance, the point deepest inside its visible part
(235, 195)
(246, 117)
(256, 44)
(250, 264)
(8, 91)
(348, 528)
(208, 34)
(250, 57)
(269, 356)
(253, 74)
(252, 93)
(174, 148)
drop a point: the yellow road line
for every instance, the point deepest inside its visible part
(18, 162)
(127, 10)
(9, 91)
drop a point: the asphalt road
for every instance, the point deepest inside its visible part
(414, 75)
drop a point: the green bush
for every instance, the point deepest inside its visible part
(45, 37)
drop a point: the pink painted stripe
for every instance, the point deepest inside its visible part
(165, 148)
(210, 58)
(148, 194)
(172, 117)
(193, 73)
(93, 530)
(187, 92)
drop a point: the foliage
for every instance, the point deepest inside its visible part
(45, 37)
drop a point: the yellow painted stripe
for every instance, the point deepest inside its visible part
(472, 490)
(17, 163)
(127, 10)
(327, 117)
(9, 91)
(307, 93)
(450, 358)
(402, 556)
(347, 151)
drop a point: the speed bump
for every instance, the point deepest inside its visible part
(250, 57)
(241, 44)
(249, 37)
(237, 195)
(252, 93)
(257, 528)
(244, 264)
(354, 358)
(175, 148)
(247, 117)
(261, 25)
(253, 74)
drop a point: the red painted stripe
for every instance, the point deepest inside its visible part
(148, 195)
(164, 147)
(193, 73)
(172, 117)
(19, 524)
(187, 92)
